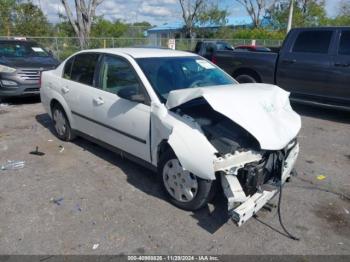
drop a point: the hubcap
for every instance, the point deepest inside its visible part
(60, 122)
(181, 184)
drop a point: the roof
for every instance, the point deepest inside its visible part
(142, 52)
(173, 26)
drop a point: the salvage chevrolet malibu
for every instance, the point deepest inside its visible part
(182, 116)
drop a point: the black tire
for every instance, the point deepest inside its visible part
(245, 79)
(67, 134)
(204, 191)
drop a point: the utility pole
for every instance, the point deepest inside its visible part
(290, 17)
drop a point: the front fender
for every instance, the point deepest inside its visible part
(186, 139)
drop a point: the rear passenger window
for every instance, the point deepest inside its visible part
(313, 42)
(83, 69)
(344, 46)
(68, 68)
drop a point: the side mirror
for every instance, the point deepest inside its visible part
(132, 95)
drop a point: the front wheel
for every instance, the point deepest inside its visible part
(184, 189)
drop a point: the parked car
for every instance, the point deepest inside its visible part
(208, 48)
(253, 48)
(21, 63)
(181, 116)
(313, 64)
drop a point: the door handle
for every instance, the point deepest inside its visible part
(99, 101)
(342, 65)
(289, 61)
(65, 90)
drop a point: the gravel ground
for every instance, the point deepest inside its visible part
(110, 205)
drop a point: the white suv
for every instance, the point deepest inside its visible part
(180, 115)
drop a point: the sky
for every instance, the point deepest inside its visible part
(156, 12)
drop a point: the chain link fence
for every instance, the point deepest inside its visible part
(62, 47)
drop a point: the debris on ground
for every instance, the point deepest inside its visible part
(50, 140)
(61, 148)
(346, 211)
(78, 208)
(321, 177)
(57, 201)
(12, 164)
(95, 246)
(37, 152)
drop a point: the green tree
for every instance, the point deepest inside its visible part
(7, 8)
(306, 13)
(29, 20)
(213, 15)
(343, 16)
(144, 24)
(105, 28)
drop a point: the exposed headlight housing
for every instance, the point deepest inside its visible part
(7, 69)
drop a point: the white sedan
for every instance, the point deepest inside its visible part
(183, 117)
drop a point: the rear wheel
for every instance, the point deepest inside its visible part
(184, 189)
(61, 124)
(245, 79)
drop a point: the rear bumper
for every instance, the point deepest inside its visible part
(252, 204)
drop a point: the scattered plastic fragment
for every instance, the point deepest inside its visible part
(12, 164)
(321, 177)
(95, 246)
(61, 148)
(50, 140)
(57, 201)
(346, 211)
(37, 152)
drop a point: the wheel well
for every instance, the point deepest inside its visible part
(53, 103)
(247, 71)
(162, 147)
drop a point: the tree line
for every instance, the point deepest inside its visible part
(24, 18)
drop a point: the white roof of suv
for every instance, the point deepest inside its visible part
(144, 52)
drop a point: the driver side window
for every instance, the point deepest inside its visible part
(116, 75)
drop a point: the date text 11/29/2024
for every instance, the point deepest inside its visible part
(173, 258)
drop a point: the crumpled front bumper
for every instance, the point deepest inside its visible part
(250, 205)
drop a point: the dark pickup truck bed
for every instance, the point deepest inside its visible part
(313, 64)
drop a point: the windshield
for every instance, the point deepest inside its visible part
(172, 73)
(21, 49)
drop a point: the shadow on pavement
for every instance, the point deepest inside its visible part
(21, 100)
(322, 113)
(147, 181)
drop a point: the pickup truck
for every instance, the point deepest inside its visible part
(313, 64)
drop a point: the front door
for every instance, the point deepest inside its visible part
(124, 124)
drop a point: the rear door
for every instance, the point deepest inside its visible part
(304, 67)
(78, 89)
(340, 68)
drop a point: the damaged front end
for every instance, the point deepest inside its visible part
(250, 174)
(246, 135)
(250, 179)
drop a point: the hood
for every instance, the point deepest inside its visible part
(261, 109)
(48, 62)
